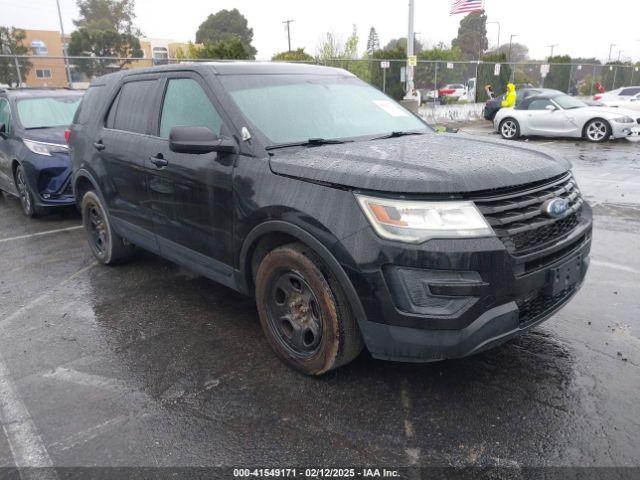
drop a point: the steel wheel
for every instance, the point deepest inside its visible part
(97, 229)
(293, 313)
(597, 130)
(509, 129)
(26, 200)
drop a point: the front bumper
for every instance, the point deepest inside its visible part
(458, 297)
(49, 178)
(622, 130)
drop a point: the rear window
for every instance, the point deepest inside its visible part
(45, 112)
(89, 105)
(134, 106)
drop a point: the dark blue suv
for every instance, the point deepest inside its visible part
(34, 159)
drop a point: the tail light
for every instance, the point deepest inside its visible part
(67, 135)
(597, 97)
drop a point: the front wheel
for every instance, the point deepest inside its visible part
(304, 312)
(597, 130)
(27, 199)
(509, 129)
(107, 246)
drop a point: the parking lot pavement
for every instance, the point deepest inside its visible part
(147, 364)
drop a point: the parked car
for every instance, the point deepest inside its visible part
(492, 106)
(34, 160)
(559, 115)
(627, 102)
(347, 218)
(453, 90)
(619, 94)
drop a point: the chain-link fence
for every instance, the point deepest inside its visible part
(437, 81)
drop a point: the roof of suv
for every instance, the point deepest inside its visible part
(40, 92)
(240, 68)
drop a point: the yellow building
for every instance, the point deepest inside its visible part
(45, 72)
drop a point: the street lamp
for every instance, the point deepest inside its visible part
(510, 43)
(498, 23)
(610, 50)
(552, 47)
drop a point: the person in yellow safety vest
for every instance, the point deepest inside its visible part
(510, 98)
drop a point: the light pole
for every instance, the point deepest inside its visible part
(610, 50)
(552, 47)
(510, 44)
(497, 23)
(410, 52)
(64, 46)
(288, 23)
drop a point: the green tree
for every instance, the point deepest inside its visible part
(519, 52)
(224, 26)
(105, 29)
(333, 52)
(472, 36)
(395, 88)
(12, 43)
(487, 76)
(373, 42)
(298, 55)
(402, 44)
(426, 77)
(229, 49)
(559, 74)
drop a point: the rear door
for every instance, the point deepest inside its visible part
(123, 146)
(191, 194)
(6, 182)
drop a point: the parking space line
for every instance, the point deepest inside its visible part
(90, 380)
(39, 234)
(26, 446)
(615, 266)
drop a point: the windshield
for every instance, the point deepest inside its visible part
(296, 108)
(566, 102)
(43, 112)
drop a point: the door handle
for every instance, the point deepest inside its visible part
(158, 161)
(99, 145)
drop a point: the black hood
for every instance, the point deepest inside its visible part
(430, 163)
(47, 135)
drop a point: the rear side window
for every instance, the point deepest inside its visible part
(89, 105)
(186, 104)
(628, 92)
(539, 104)
(134, 106)
(5, 114)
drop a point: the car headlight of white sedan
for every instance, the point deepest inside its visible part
(623, 120)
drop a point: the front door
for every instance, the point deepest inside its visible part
(122, 148)
(191, 194)
(6, 180)
(542, 121)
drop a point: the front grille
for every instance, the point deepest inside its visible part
(536, 306)
(518, 220)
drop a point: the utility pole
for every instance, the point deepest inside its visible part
(288, 23)
(552, 47)
(410, 50)
(64, 46)
(610, 50)
(510, 44)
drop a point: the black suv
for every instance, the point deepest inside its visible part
(350, 221)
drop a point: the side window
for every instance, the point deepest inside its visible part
(539, 104)
(5, 114)
(628, 92)
(88, 105)
(135, 106)
(186, 104)
(111, 118)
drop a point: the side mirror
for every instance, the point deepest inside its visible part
(184, 139)
(551, 108)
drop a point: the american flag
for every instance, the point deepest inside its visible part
(467, 6)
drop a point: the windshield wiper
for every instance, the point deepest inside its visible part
(312, 142)
(397, 134)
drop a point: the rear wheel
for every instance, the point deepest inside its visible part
(107, 246)
(27, 202)
(509, 129)
(597, 130)
(303, 311)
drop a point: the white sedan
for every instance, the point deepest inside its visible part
(630, 103)
(559, 115)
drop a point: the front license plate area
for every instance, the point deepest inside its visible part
(565, 276)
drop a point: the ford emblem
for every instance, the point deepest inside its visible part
(555, 207)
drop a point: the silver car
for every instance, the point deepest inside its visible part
(559, 115)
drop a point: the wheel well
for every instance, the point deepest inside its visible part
(260, 248)
(14, 168)
(82, 186)
(584, 129)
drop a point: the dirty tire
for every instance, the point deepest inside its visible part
(304, 312)
(509, 129)
(107, 246)
(597, 130)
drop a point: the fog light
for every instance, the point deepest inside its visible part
(46, 195)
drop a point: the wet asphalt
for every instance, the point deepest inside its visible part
(148, 364)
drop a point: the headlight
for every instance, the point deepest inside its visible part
(416, 222)
(623, 120)
(42, 148)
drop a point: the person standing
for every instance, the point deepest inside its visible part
(510, 97)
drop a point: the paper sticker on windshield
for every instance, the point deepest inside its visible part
(391, 108)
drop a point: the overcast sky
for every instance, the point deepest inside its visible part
(580, 28)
